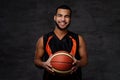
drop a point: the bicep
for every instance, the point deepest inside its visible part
(39, 49)
(82, 48)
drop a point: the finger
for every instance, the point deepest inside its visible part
(73, 69)
(49, 69)
(75, 60)
(49, 65)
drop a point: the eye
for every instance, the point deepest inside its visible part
(59, 15)
(67, 16)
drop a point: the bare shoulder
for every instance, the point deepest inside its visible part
(80, 37)
(40, 42)
(81, 40)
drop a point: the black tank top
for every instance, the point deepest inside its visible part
(57, 45)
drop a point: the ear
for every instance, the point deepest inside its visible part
(54, 17)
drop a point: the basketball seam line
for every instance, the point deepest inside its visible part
(61, 62)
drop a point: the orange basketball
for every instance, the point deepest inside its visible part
(61, 62)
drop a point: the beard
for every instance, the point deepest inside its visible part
(60, 27)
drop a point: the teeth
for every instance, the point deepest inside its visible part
(62, 23)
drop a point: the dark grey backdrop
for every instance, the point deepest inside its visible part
(22, 22)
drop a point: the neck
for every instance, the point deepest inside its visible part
(60, 32)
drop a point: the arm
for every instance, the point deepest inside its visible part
(83, 54)
(39, 52)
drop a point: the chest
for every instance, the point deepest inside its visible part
(64, 44)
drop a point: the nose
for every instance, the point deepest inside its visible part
(63, 18)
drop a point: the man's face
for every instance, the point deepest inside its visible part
(62, 18)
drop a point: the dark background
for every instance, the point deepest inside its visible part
(22, 22)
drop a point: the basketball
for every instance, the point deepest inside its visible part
(61, 62)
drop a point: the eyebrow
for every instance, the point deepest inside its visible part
(61, 15)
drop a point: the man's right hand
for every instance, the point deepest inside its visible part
(48, 66)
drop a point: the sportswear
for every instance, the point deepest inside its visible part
(69, 43)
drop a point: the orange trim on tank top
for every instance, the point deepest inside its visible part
(72, 52)
(48, 47)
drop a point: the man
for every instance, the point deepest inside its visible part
(61, 40)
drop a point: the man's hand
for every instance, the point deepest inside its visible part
(48, 66)
(75, 65)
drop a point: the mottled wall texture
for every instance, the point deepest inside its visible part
(22, 22)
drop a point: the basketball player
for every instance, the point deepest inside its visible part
(61, 39)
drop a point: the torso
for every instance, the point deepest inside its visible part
(65, 44)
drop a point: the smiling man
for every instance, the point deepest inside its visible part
(61, 39)
(62, 19)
